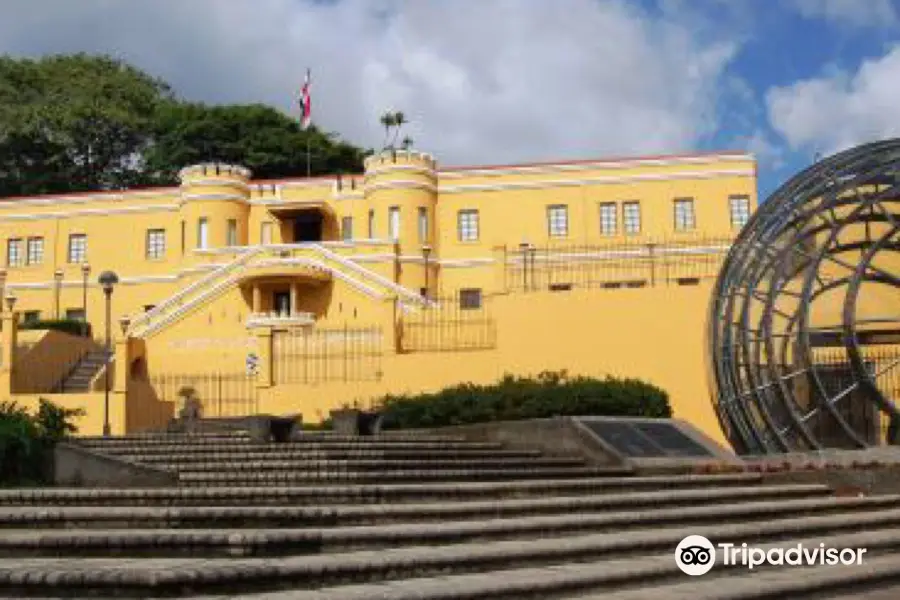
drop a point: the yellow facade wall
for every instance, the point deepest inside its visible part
(365, 279)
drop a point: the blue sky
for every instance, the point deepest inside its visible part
(499, 81)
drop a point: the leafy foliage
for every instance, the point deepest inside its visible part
(71, 326)
(550, 394)
(73, 123)
(26, 440)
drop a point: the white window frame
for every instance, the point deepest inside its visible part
(609, 222)
(739, 207)
(423, 224)
(77, 253)
(202, 233)
(394, 223)
(631, 221)
(156, 244)
(558, 220)
(468, 225)
(34, 251)
(231, 233)
(14, 252)
(685, 216)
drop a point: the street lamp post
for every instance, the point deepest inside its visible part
(85, 273)
(57, 278)
(107, 280)
(426, 253)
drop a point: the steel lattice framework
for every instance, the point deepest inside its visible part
(817, 266)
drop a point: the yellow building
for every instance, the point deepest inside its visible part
(301, 295)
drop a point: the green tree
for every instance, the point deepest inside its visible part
(259, 137)
(72, 123)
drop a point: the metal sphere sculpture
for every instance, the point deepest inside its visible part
(804, 322)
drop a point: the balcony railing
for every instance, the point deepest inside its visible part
(275, 319)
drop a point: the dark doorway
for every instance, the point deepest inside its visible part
(308, 226)
(283, 303)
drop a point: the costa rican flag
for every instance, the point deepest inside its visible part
(303, 100)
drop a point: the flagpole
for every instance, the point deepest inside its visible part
(308, 170)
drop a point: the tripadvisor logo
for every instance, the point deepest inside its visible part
(696, 555)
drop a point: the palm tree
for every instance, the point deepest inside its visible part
(406, 143)
(399, 121)
(388, 120)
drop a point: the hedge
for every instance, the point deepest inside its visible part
(26, 440)
(71, 326)
(550, 394)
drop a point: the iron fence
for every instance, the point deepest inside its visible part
(614, 265)
(323, 355)
(460, 321)
(232, 394)
(837, 376)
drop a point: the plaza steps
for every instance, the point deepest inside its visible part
(79, 379)
(598, 532)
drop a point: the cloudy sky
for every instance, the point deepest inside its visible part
(496, 81)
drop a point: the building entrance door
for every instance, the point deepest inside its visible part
(283, 303)
(308, 226)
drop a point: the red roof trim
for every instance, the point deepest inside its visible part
(598, 161)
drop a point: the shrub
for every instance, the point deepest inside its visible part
(26, 440)
(71, 326)
(550, 394)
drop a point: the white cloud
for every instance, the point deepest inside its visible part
(857, 13)
(485, 81)
(839, 110)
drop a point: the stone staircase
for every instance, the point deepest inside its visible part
(403, 517)
(79, 379)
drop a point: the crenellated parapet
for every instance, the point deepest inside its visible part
(215, 181)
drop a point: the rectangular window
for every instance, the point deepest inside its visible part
(470, 299)
(231, 233)
(182, 238)
(371, 224)
(467, 225)
(156, 243)
(423, 224)
(631, 217)
(608, 225)
(558, 220)
(394, 222)
(77, 248)
(203, 233)
(265, 233)
(740, 210)
(347, 228)
(14, 252)
(75, 314)
(684, 214)
(31, 316)
(35, 251)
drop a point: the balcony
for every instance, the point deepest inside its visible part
(280, 320)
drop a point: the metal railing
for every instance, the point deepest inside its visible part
(220, 394)
(615, 264)
(461, 321)
(835, 371)
(323, 355)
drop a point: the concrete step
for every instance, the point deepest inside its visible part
(629, 531)
(388, 474)
(163, 447)
(327, 465)
(356, 494)
(544, 569)
(45, 517)
(274, 452)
